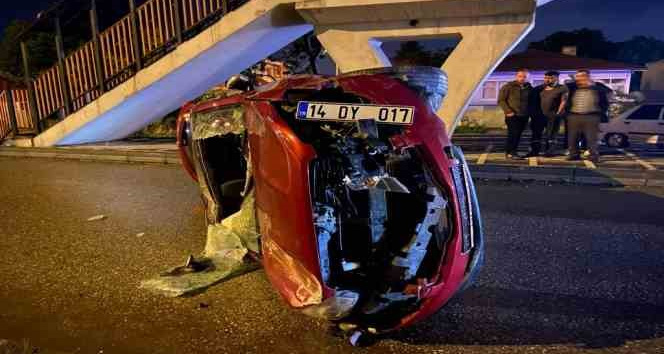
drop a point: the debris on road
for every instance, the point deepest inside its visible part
(97, 217)
(226, 255)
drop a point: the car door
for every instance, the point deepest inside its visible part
(643, 125)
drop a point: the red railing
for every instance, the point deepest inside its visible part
(5, 119)
(195, 11)
(156, 21)
(117, 49)
(21, 112)
(90, 70)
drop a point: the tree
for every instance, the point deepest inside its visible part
(593, 44)
(639, 50)
(301, 55)
(414, 53)
(411, 53)
(41, 47)
(589, 43)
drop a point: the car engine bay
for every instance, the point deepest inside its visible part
(381, 220)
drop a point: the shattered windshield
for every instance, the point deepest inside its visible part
(227, 120)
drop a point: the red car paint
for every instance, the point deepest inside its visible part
(281, 161)
(181, 142)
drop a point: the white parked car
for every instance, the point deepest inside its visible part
(644, 123)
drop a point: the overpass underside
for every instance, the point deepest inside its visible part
(350, 30)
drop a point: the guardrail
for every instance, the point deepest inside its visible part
(114, 55)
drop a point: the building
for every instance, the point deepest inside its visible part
(653, 78)
(483, 108)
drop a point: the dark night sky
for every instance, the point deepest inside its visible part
(619, 19)
(21, 9)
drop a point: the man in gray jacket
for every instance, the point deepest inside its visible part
(515, 100)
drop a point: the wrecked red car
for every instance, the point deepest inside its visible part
(366, 213)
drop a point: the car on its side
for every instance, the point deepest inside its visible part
(367, 213)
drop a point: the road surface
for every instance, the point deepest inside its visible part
(569, 269)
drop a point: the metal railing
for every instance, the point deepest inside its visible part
(14, 112)
(114, 55)
(48, 92)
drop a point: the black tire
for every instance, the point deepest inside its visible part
(616, 140)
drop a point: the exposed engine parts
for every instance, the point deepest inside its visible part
(380, 219)
(417, 249)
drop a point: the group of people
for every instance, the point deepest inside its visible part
(582, 105)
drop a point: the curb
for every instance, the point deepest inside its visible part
(94, 155)
(489, 172)
(570, 175)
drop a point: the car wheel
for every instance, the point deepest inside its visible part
(616, 140)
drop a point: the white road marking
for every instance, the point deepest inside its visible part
(589, 164)
(648, 166)
(485, 155)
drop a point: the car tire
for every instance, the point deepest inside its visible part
(616, 140)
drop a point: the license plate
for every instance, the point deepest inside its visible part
(344, 112)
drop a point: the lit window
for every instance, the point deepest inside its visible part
(490, 90)
(619, 85)
(606, 82)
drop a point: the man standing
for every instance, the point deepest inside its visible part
(588, 105)
(514, 99)
(550, 100)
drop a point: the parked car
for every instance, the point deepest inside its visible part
(643, 123)
(367, 213)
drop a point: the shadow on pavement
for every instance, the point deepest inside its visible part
(552, 319)
(584, 272)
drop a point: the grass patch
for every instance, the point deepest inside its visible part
(471, 129)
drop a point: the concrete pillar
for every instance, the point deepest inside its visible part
(487, 45)
(352, 51)
(489, 30)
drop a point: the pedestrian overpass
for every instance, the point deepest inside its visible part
(166, 52)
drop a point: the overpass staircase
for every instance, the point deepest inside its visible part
(166, 52)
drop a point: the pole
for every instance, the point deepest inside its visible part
(12, 112)
(134, 35)
(177, 21)
(96, 48)
(59, 47)
(32, 99)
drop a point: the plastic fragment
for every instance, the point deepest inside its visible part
(97, 217)
(225, 256)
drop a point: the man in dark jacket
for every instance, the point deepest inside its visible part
(588, 106)
(515, 101)
(549, 102)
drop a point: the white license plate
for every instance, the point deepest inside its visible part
(345, 112)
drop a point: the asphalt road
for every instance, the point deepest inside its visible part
(569, 269)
